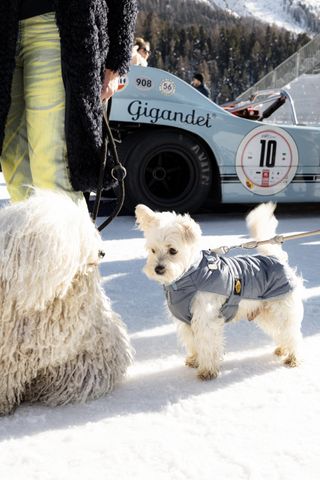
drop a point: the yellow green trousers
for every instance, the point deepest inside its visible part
(34, 150)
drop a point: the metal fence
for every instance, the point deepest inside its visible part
(306, 60)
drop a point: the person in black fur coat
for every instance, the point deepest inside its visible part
(96, 38)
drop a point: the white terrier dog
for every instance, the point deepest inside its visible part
(60, 341)
(204, 290)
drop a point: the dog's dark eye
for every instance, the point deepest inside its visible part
(153, 250)
(173, 251)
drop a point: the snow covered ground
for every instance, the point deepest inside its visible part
(271, 11)
(257, 421)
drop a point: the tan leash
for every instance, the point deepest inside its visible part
(277, 240)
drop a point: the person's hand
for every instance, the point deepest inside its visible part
(110, 84)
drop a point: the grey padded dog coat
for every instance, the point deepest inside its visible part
(254, 277)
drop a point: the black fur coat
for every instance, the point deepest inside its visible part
(95, 34)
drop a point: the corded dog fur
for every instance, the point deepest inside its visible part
(262, 288)
(60, 340)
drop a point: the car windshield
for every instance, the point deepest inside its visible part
(296, 104)
(305, 94)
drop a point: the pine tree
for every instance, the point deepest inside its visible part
(231, 53)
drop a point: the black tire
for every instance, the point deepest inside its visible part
(166, 170)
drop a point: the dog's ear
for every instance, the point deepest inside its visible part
(190, 229)
(145, 217)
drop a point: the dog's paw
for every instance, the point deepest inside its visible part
(292, 361)
(280, 351)
(192, 361)
(208, 374)
(6, 409)
(252, 315)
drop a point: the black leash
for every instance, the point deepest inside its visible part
(118, 172)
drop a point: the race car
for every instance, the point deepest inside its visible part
(181, 149)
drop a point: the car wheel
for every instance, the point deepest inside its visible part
(167, 171)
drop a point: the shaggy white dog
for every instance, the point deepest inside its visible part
(204, 290)
(60, 340)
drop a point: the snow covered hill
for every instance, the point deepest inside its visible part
(295, 15)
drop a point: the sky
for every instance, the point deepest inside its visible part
(258, 421)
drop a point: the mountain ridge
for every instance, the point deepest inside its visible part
(295, 15)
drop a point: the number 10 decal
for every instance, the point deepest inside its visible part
(268, 155)
(267, 160)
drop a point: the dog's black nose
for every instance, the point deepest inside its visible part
(101, 253)
(159, 269)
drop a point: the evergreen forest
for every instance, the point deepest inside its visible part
(232, 53)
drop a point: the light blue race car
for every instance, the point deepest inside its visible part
(181, 149)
